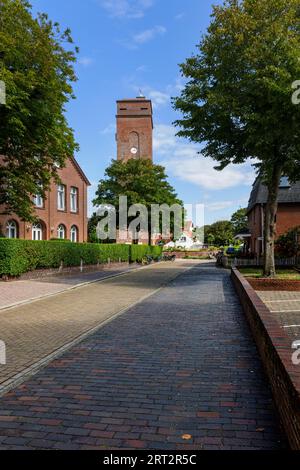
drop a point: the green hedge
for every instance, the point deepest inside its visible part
(139, 251)
(20, 256)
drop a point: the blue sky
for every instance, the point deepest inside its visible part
(127, 45)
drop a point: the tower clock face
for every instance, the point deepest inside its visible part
(134, 150)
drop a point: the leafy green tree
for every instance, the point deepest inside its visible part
(287, 245)
(36, 65)
(220, 233)
(140, 180)
(238, 96)
(92, 224)
(239, 221)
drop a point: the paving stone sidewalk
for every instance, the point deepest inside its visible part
(20, 291)
(286, 309)
(177, 371)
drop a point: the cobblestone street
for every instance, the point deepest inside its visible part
(35, 331)
(177, 370)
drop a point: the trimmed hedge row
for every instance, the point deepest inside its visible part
(139, 251)
(20, 256)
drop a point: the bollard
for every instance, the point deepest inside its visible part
(2, 353)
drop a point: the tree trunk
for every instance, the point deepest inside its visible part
(270, 223)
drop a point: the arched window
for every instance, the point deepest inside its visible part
(61, 232)
(134, 144)
(37, 232)
(12, 229)
(74, 234)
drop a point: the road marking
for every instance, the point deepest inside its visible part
(285, 311)
(291, 326)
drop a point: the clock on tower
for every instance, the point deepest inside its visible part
(134, 129)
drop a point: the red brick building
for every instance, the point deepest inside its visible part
(134, 129)
(62, 214)
(135, 141)
(288, 215)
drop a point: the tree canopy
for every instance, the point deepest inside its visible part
(219, 233)
(36, 65)
(140, 180)
(238, 98)
(239, 221)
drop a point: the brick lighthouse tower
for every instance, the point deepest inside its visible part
(134, 129)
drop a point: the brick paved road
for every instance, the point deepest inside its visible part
(180, 363)
(36, 330)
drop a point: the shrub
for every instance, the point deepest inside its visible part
(287, 245)
(139, 251)
(20, 256)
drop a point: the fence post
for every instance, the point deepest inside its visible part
(61, 267)
(81, 265)
(108, 261)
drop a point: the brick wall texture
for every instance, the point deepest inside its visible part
(49, 215)
(275, 350)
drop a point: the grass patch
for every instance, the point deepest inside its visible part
(285, 274)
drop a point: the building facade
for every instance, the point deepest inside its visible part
(288, 214)
(62, 214)
(134, 129)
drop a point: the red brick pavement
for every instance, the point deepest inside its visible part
(178, 371)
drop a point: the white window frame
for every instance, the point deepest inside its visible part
(38, 201)
(74, 234)
(61, 197)
(37, 232)
(61, 232)
(12, 229)
(74, 199)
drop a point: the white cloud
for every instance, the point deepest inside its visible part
(179, 16)
(141, 69)
(85, 61)
(158, 98)
(200, 171)
(164, 138)
(182, 161)
(126, 8)
(220, 205)
(138, 39)
(148, 34)
(110, 129)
